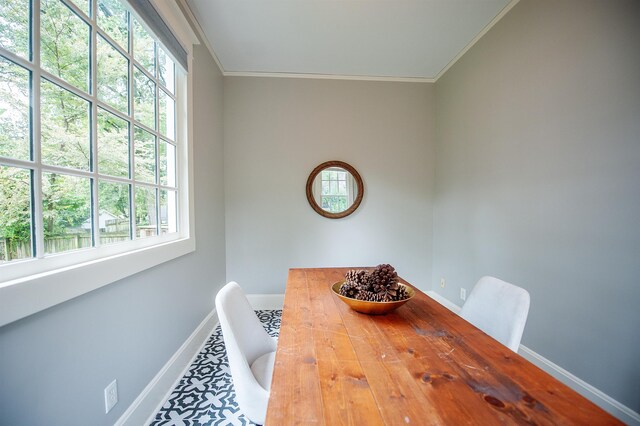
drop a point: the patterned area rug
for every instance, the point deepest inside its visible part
(205, 394)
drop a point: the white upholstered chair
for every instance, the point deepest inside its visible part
(251, 351)
(499, 309)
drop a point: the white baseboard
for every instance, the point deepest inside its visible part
(147, 404)
(601, 399)
(595, 395)
(266, 301)
(443, 301)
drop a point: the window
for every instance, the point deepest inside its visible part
(93, 147)
(337, 190)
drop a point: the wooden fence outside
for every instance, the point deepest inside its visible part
(19, 250)
(22, 249)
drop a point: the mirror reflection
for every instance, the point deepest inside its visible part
(334, 189)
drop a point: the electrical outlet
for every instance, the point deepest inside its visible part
(110, 396)
(463, 294)
(443, 283)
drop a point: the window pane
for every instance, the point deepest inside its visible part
(113, 72)
(333, 188)
(15, 214)
(146, 213)
(144, 99)
(14, 111)
(64, 44)
(143, 47)
(14, 26)
(167, 164)
(65, 128)
(167, 118)
(168, 212)
(166, 70)
(66, 212)
(342, 187)
(145, 156)
(334, 203)
(113, 18)
(114, 219)
(113, 145)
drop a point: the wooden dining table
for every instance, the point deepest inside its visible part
(418, 365)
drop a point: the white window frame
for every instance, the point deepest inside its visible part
(31, 285)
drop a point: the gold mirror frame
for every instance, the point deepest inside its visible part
(356, 177)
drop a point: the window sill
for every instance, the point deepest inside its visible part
(25, 296)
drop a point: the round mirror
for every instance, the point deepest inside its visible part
(334, 189)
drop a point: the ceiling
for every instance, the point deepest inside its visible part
(359, 39)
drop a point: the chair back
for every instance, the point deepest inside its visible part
(499, 309)
(245, 341)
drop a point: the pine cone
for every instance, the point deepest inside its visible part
(349, 289)
(367, 296)
(359, 278)
(366, 283)
(401, 293)
(378, 298)
(384, 280)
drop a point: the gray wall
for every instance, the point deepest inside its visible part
(55, 364)
(277, 130)
(537, 180)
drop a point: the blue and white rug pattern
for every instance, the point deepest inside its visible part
(205, 394)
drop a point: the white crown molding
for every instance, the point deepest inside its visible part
(486, 29)
(200, 32)
(329, 76)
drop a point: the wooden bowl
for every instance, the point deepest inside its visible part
(372, 308)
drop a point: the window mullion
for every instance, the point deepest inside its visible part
(66, 171)
(25, 63)
(93, 65)
(183, 88)
(157, 192)
(144, 126)
(156, 80)
(69, 87)
(132, 165)
(36, 132)
(71, 5)
(111, 41)
(105, 106)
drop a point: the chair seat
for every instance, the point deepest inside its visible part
(262, 369)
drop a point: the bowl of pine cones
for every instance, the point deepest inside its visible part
(375, 293)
